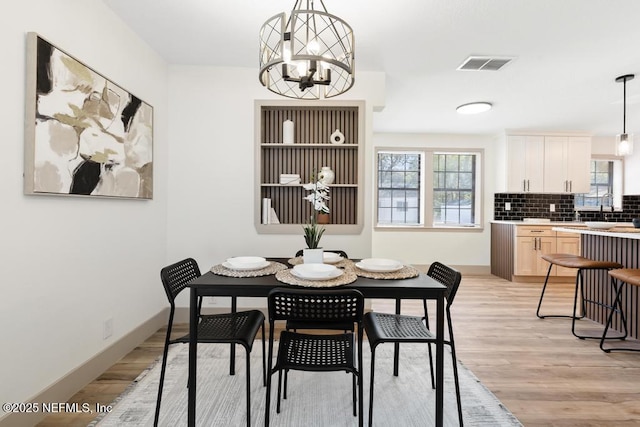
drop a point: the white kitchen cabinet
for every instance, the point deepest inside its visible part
(525, 163)
(548, 163)
(566, 164)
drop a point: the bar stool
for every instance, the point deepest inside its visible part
(581, 263)
(619, 278)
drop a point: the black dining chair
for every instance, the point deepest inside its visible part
(316, 352)
(296, 325)
(229, 328)
(398, 328)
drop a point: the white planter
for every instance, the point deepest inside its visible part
(326, 175)
(312, 256)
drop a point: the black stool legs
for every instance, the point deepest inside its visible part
(617, 307)
(546, 280)
(602, 304)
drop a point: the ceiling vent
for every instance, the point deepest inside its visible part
(483, 63)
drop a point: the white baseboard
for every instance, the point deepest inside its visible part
(63, 389)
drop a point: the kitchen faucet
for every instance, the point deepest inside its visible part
(605, 197)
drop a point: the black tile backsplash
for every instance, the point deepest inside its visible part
(536, 205)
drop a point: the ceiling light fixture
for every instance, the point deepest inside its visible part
(474, 108)
(311, 49)
(624, 141)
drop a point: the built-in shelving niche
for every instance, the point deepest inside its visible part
(312, 149)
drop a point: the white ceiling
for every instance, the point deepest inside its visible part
(567, 56)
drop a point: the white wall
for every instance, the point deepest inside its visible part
(211, 167)
(468, 248)
(70, 263)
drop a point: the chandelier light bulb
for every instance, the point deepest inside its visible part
(313, 47)
(302, 68)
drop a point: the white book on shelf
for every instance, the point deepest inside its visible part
(266, 210)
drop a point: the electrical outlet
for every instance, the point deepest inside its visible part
(107, 328)
(552, 207)
(507, 206)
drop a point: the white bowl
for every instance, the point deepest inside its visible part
(380, 265)
(331, 257)
(316, 271)
(246, 262)
(600, 225)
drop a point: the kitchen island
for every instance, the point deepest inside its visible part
(619, 244)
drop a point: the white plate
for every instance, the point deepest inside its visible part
(379, 265)
(331, 257)
(600, 225)
(246, 268)
(316, 271)
(246, 262)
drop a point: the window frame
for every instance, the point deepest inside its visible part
(426, 189)
(618, 182)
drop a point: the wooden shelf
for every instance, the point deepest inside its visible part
(313, 125)
(327, 145)
(300, 185)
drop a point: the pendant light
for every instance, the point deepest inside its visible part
(624, 141)
(310, 50)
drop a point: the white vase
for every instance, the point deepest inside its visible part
(337, 137)
(313, 256)
(326, 175)
(287, 132)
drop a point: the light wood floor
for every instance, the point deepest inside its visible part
(541, 373)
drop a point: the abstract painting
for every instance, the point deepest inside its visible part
(84, 135)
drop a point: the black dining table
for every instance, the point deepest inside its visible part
(420, 287)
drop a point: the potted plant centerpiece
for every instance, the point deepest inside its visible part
(312, 230)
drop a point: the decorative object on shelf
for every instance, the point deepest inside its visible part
(318, 198)
(287, 132)
(311, 48)
(326, 175)
(636, 222)
(323, 218)
(289, 179)
(337, 137)
(624, 141)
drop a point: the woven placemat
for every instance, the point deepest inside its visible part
(347, 277)
(272, 268)
(347, 263)
(406, 272)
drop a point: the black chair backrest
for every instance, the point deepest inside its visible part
(316, 305)
(447, 276)
(343, 254)
(175, 277)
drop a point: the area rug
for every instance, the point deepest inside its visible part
(314, 399)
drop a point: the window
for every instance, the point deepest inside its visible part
(399, 188)
(606, 175)
(428, 188)
(453, 188)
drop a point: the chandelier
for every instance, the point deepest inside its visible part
(624, 141)
(310, 50)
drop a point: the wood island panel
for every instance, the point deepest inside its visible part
(597, 283)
